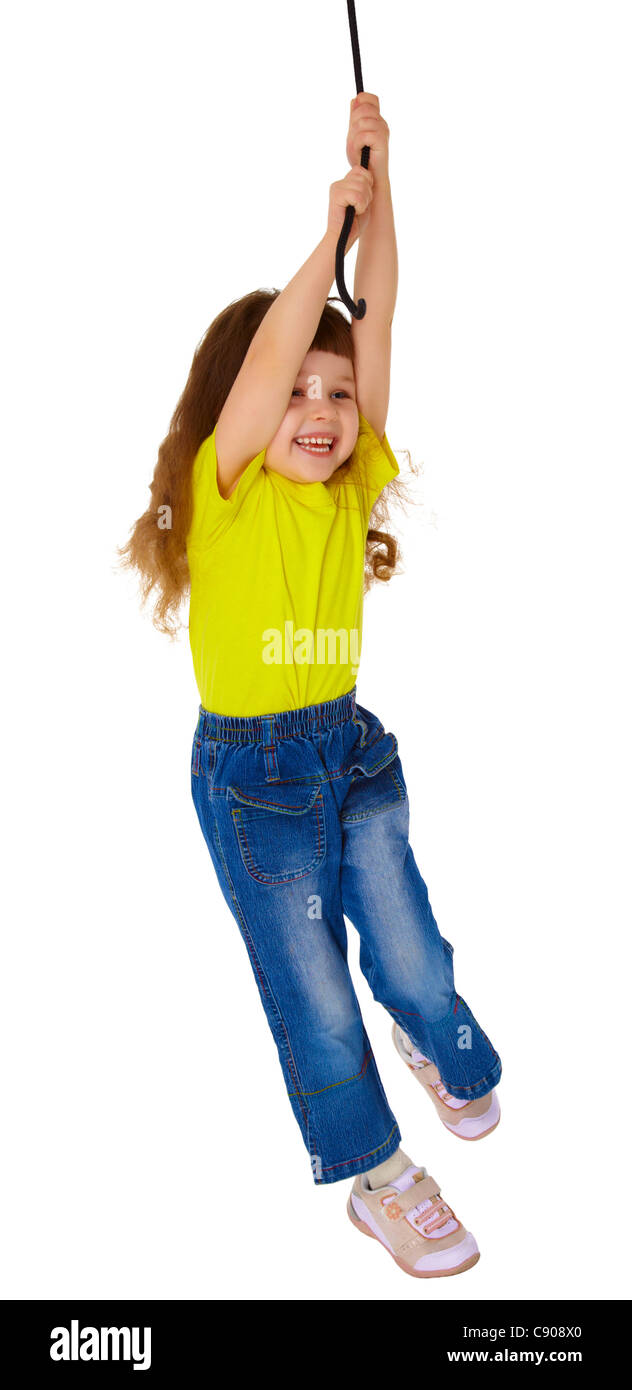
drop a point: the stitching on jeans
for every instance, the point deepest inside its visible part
(300, 731)
(271, 761)
(272, 879)
(249, 942)
(330, 1167)
(467, 1010)
(409, 1013)
(378, 810)
(283, 810)
(333, 776)
(282, 782)
(325, 717)
(250, 946)
(357, 1077)
(320, 721)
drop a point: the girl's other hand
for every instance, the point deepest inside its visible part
(356, 189)
(367, 127)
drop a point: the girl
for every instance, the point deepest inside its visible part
(262, 498)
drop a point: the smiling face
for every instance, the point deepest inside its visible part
(322, 415)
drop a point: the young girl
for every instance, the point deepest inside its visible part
(262, 498)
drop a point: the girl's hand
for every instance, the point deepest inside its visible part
(367, 127)
(355, 189)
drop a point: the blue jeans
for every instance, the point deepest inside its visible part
(305, 814)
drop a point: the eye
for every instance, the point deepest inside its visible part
(298, 392)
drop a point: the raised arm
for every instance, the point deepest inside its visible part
(263, 387)
(376, 266)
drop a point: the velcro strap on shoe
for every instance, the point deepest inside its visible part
(417, 1192)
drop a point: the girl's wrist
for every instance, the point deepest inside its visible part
(329, 243)
(381, 182)
(330, 239)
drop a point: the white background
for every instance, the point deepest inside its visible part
(160, 161)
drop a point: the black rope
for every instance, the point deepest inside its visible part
(358, 310)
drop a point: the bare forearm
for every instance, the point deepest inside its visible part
(285, 335)
(376, 269)
(261, 392)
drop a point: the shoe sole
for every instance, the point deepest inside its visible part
(416, 1273)
(471, 1138)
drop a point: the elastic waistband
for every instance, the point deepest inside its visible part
(309, 719)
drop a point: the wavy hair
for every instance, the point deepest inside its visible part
(157, 552)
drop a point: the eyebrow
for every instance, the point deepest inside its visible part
(339, 376)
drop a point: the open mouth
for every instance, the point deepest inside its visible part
(315, 443)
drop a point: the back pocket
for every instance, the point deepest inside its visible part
(280, 829)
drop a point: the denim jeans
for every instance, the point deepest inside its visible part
(305, 815)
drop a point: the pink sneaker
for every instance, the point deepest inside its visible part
(468, 1119)
(411, 1220)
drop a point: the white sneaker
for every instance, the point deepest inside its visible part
(410, 1219)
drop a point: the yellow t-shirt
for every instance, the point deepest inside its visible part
(277, 574)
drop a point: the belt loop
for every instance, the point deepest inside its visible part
(359, 723)
(269, 748)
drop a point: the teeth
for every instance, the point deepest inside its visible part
(315, 440)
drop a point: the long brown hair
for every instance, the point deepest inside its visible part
(158, 551)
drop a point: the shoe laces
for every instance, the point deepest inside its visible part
(429, 1216)
(419, 1061)
(440, 1089)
